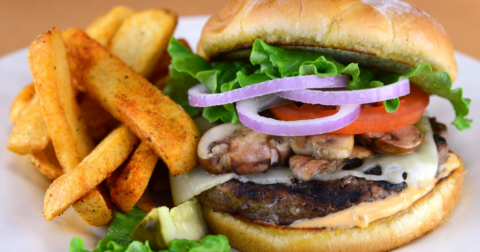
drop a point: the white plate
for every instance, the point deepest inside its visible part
(22, 227)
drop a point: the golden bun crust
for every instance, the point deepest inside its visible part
(381, 235)
(387, 29)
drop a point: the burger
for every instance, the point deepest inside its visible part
(317, 137)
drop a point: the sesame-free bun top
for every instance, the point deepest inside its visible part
(378, 33)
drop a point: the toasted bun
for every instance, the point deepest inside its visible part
(381, 235)
(348, 30)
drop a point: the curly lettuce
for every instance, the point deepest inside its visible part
(270, 62)
(118, 238)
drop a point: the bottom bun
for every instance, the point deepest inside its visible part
(381, 235)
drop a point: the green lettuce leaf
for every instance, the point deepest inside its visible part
(210, 243)
(270, 62)
(119, 240)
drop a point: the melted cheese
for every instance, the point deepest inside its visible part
(420, 166)
(197, 180)
(364, 213)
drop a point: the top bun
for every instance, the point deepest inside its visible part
(393, 35)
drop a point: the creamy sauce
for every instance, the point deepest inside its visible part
(365, 213)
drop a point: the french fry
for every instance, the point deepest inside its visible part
(145, 202)
(51, 74)
(46, 162)
(21, 101)
(30, 133)
(104, 27)
(98, 121)
(142, 39)
(134, 178)
(95, 208)
(95, 168)
(159, 122)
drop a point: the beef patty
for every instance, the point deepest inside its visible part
(282, 205)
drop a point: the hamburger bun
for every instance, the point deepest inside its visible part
(381, 235)
(377, 33)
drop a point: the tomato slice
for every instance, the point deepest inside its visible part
(372, 119)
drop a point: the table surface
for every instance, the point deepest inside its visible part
(22, 20)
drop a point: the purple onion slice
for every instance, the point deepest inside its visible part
(200, 96)
(363, 96)
(248, 113)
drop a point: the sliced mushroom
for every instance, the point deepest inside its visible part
(399, 141)
(324, 146)
(301, 145)
(213, 148)
(306, 167)
(228, 147)
(332, 146)
(361, 152)
(279, 148)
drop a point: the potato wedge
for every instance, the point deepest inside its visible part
(98, 121)
(21, 101)
(95, 208)
(51, 74)
(142, 39)
(95, 168)
(50, 70)
(104, 27)
(133, 180)
(159, 122)
(30, 133)
(145, 202)
(46, 162)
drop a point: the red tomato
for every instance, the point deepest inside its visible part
(372, 119)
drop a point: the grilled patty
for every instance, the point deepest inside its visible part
(282, 205)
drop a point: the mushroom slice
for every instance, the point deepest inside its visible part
(332, 146)
(324, 146)
(280, 150)
(361, 152)
(249, 152)
(306, 167)
(399, 141)
(213, 147)
(301, 145)
(236, 148)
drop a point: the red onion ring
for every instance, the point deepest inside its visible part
(248, 113)
(200, 96)
(363, 96)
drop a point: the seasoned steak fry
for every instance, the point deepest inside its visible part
(161, 123)
(30, 133)
(95, 168)
(48, 63)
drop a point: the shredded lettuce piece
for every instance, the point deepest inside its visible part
(119, 240)
(210, 243)
(270, 62)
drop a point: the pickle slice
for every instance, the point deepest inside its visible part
(163, 225)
